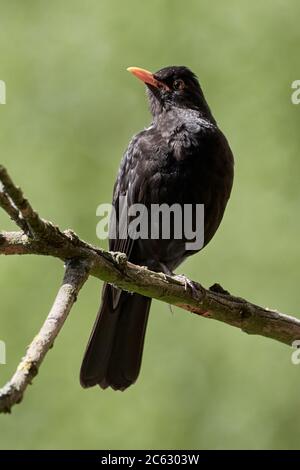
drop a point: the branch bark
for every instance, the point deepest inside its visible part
(43, 238)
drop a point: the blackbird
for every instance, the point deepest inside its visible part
(182, 158)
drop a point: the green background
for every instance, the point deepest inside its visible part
(71, 110)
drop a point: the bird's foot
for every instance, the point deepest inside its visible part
(187, 283)
(194, 286)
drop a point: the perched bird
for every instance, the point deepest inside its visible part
(182, 158)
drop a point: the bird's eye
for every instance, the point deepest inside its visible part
(178, 84)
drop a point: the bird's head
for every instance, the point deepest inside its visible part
(175, 86)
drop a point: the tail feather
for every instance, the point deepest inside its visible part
(114, 352)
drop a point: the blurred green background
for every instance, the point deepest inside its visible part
(71, 110)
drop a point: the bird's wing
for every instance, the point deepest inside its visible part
(129, 189)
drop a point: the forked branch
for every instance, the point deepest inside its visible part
(41, 237)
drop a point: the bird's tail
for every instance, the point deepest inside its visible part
(114, 352)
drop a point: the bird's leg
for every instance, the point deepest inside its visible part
(167, 272)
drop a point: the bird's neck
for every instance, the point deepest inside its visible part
(175, 119)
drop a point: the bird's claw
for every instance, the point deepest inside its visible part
(187, 283)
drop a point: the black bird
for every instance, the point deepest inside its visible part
(182, 158)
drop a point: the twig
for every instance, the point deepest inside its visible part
(12, 211)
(37, 226)
(75, 275)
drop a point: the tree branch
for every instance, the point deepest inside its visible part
(43, 238)
(12, 211)
(75, 275)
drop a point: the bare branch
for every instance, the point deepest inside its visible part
(47, 239)
(212, 303)
(12, 211)
(36, 225)
(75, 275)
